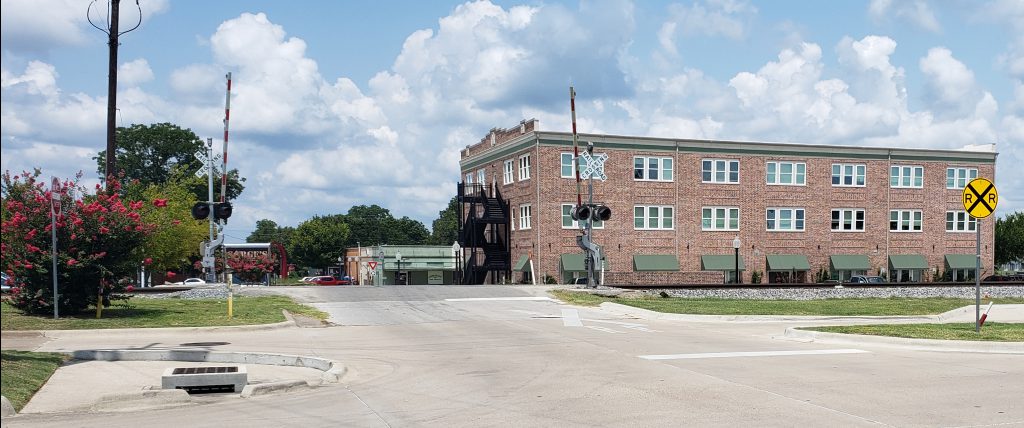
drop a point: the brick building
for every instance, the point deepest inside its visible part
(678, 204)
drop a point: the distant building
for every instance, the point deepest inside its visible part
(678, 204)
(389, 264)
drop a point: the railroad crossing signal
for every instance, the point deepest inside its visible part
(980, 198)
(595, 166)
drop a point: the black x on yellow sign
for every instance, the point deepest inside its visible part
(980, 198)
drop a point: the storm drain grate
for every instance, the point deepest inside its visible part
(205, 379)
(204, 370)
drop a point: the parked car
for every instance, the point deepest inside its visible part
(583, 281)
(6, 282)
(329, 280)
(193, 281)
(864, 279)
(307, 278)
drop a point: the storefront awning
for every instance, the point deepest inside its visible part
(788, 262)
(850, 262)
(961, 261)
(572, 263)
(523, 265)
(718, 262)
(655, 262)
(908, 261)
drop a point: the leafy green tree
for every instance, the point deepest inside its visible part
(372, 225)
(269, 231)
(154, 154)
(319, 241)
(1010, 238)
(176, 236)
(446, 228)
(406, 231)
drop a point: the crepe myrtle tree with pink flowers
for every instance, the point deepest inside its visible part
(100, 243)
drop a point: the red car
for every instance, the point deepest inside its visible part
(329, 280)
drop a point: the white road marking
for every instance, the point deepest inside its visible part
(752, 354)
(629, 325)
(604, 329)
(499, 299)
(571, 318)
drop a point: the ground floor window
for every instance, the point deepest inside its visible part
(527, 278)
(905, 275)
(787, 277)
(959, 275)
(730, 276)
(845, 275)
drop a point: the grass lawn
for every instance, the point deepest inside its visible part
(959, 331)
(23, 373)
(172, 312)
(824, 307)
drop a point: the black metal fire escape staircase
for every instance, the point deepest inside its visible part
(484, 225)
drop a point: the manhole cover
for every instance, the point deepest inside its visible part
(205, 344)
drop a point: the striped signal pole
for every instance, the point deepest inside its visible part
(575, 147)
(227, 118)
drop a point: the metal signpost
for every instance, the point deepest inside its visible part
(980, 199)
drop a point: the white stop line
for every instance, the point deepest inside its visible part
(751, 354)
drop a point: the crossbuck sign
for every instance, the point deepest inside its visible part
(595, 166)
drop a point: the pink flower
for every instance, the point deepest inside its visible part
(160, 203)
(148, 261)
(129, 288)
(72, 262)
(175, 222)
(170, 274)
(28, 265)
(103, 229)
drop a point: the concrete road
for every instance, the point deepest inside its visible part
(507, 356)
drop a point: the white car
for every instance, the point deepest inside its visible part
(307, 278)
(193, 281)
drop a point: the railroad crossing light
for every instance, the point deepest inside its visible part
(581, 212)
(601, 213)
(201, 211)
(222, 210)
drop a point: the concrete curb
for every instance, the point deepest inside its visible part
(272, 387)
(902, 342)
(55, 334)
(149, 400)
(332, 370)
(6, 408)
(654, 315)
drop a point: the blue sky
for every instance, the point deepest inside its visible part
(345, 103)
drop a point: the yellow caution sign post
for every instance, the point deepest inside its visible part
(980, 199)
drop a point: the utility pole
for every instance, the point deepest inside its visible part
(112, 35)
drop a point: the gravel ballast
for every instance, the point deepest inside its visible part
(834, 293)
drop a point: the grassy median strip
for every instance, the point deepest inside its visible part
(894, 306)
(23, 373)
(1002, 332)
(170, 312)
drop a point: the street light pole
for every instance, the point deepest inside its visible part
(736, 247)
(398, 258)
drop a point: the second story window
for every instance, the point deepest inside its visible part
(906, 176)
(905, 221)
(469, 178)
(509, 169)
(960, 221)
(652, 168)
(848, 175)
(649, 217)
(481, 176)
(785, 219)
(720, 171)
(524, 167)
(786, 173)
(848, 220)
(720, 218)
(525, 215)
(957, 178)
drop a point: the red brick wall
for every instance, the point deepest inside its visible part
(663, 278)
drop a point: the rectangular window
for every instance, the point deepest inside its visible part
(648, 217)
(957, 178)
(469, 178)
(848, 175)
(569, 223)
(481, 176)
(720, 218)
(652, 169)
(567, 164)
(960, 221)
(509, 171)
(720, 171)
(525, 214)
(905, 221)
(786, 173)
(848, 220)
(524, 167)
(785, 219)
(906, 176)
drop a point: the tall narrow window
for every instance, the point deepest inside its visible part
(524, 167)
(509, 171)
(525, 216)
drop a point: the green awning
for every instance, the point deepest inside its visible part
(523, 265)
(727, 263)
(908, 261)
(655, 262)
(788, 262)
(850, 262)
(961, 261)
(573, 263)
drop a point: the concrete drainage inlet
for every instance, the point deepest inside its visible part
(196, 380)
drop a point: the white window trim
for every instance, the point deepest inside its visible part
(661, 217)
(956, 176)
(841, 220)
(739, 216)
(900, 176)
(481, 176)
(469, 178)
(842, 173)
(967, 221)
(778, 173)
(524, 167)
(575, 224)
(900, 219)
(572, 164)
(778, 219)
(661, 168)
(509, 171)
(714, 170)
(525, 217)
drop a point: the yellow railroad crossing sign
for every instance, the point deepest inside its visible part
(980, 198)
